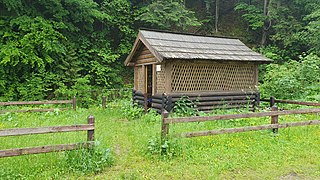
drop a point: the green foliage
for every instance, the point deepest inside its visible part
(167, 15)
(294, 79)
(252, 15)
(132, 111)
(87, 160)
(312, 33)
(185, 107)
(168, 149)
(81, 89)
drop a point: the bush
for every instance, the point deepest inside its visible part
(294, 79)
(185, 107)
(131, 111)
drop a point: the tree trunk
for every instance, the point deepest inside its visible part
(217, 15)
(266, 22)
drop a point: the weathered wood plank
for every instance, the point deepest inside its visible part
(250, 128)
(238, 116)
(157, 106)
(33, 110)
(293, 102)
(211, 103)
(35, 102)
(145, 56)
(43, 149)
(147, 60)
(43, 130)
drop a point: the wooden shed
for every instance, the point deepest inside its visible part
(213, 71)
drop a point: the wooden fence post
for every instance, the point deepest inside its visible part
(91, 132)
(104, 99)
(274, 119)
(272, 101)
(74, 103)
(165, 126)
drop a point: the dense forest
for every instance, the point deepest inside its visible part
(59, 48)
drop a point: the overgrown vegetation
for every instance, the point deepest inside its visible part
(133, 149)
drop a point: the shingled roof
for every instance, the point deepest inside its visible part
(165, 46)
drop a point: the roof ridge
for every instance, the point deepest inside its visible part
(185, 33)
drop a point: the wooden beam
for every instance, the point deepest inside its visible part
(43, 149)
(250, 128)
(33, 110)
(35, 102)
(238, 116)
(292, 102)
(43, 130)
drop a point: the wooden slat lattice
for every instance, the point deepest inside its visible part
(193, 77)
(161, 80)
(140, 79)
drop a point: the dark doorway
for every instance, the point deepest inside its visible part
(149, 75)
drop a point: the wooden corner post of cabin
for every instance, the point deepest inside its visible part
(91, 132)
(165, 125)
(274, 119)
(145, 103)
(74, 103)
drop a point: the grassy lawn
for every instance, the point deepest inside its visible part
(292, 154)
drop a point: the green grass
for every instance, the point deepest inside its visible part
(293, 153)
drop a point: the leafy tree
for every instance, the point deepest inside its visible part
(167, 14)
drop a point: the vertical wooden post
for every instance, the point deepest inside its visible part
(74, 103)
(133, 96)
(145, 104)
(170, 103)
(163, 103)
(91, 132)
(272, 101)
(165, 126)
(274, 119)
(104, 99)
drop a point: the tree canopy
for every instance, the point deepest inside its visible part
(58, 48)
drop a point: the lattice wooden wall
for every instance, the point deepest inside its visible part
(160, 80)
(195, 77)
(139, 78)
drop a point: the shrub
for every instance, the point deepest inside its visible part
(131, 111)
(88, 160)
(294, 79)
(185, 107)
(166, 149)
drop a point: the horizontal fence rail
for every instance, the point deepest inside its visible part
(274, 114)
(239, 116)
(35, 102)
(43, 149)
(272, 101)
(44, 130)
(73, 102)
(249, 128)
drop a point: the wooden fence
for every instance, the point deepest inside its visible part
(274, 114)
(273, 101)
(73, 102)
(44, 130)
